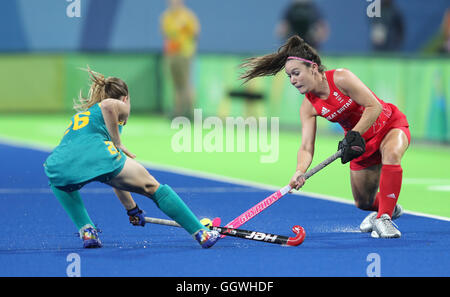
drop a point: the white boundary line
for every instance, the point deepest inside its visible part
(108, 190)
(213, 176)
(26, 144)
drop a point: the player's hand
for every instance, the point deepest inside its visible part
(126, 151)
(353, 145)
(137, 216)
(297, 180)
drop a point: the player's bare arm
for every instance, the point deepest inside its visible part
(350, 85)
(115, 111)
(306, 151)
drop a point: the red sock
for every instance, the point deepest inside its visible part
(390, 185)
(376, 202)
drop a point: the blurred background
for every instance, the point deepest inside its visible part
(180, 55)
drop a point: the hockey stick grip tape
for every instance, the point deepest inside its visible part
(323, 164)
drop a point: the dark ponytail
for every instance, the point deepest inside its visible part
(273, 63)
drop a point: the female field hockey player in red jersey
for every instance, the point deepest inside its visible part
(376, 133)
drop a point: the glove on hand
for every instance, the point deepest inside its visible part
(137, 216)
(353, 145)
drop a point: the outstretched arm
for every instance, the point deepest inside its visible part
(125, 198)
(306, 151)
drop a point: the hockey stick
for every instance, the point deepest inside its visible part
(252, 212)
(251, 235)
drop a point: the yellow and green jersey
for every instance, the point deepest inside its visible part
(85, 152)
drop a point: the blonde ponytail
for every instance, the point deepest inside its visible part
(100, 89)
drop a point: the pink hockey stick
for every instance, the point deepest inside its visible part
(252, 212)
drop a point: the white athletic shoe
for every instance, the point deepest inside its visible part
(384, 228)
(367, 223)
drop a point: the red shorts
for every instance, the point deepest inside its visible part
(372, 155)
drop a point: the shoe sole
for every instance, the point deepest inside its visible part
(375, 234)
(91, 244)
(210, 243)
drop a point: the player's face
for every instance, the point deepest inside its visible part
(300, 76)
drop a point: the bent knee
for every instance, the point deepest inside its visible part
(392, 158)
(150, 188)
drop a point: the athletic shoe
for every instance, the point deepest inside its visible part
(398, 211)
(384, 228)
(367, 223)
(90, 237)
(206, 238)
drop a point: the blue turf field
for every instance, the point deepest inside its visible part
(37, 235)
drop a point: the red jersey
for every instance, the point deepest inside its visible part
(341, 109)
(345, 111)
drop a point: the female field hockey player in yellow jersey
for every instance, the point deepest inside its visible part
(91, 150)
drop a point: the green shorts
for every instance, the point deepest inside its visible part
(104, 178)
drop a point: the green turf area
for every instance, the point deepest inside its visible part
(426, 186)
